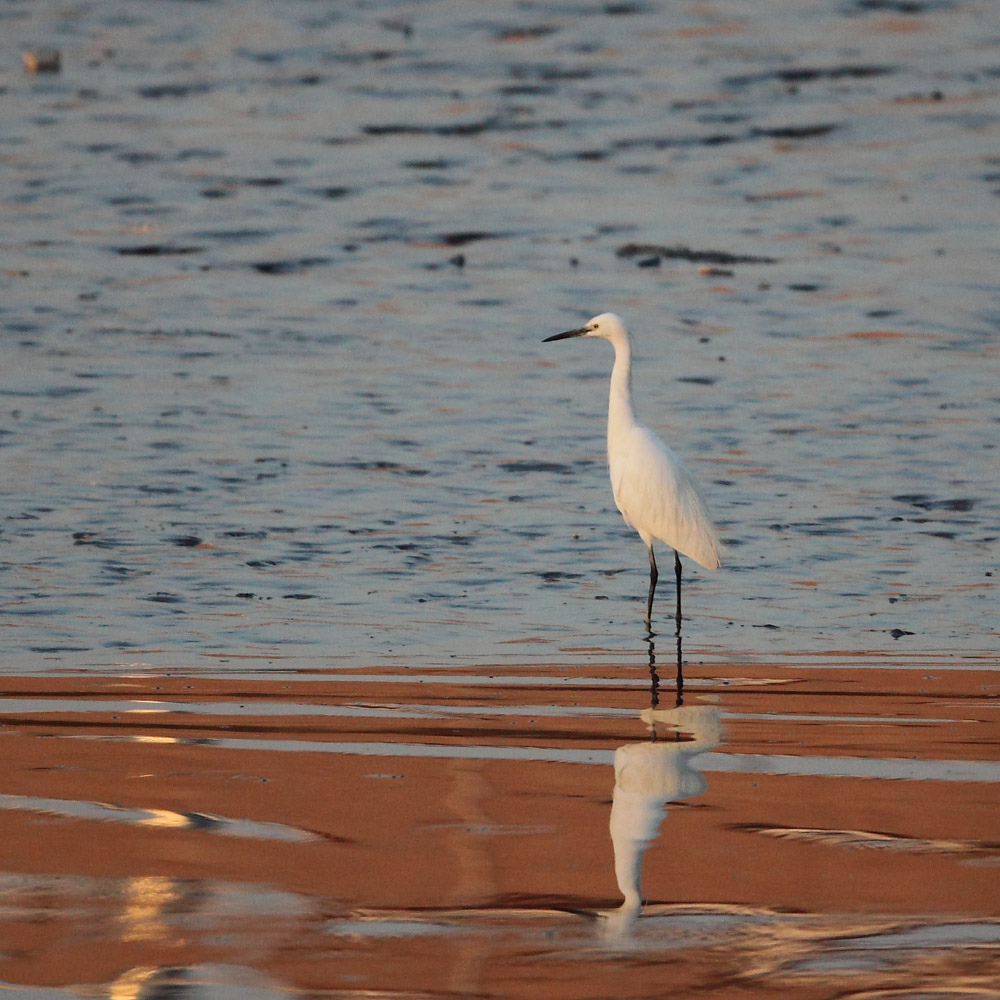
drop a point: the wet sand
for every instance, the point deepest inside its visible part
(819, 830)
(323, 663)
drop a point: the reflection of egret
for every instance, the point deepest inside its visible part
(647, 776)
(653, 489)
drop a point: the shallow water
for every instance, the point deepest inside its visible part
(321, 630)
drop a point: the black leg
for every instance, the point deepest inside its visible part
(680, 668)
(679, 700)
(653, 576)
(677, 573)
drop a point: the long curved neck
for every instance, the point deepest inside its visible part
(621, 417)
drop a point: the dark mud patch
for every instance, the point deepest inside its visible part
(461, 239)
(394, 468)
(645, 251)
(906, 8)
(185, 541)
(793, 131)
(160, 91)
(557, 468)
(796, 75)
(279, 268)
(162, 597)
(958, 504)
(524, 33)
(157, 250)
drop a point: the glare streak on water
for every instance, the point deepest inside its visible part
(389, 710)
(155, 818)
(832, 767)
(32, 706)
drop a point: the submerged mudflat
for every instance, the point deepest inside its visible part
(797, 826)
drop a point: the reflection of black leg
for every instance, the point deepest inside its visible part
(680, 673)
(653, 577)
(654, 677)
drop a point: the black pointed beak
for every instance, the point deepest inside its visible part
(565, 336)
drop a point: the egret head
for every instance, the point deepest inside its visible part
(607, 325)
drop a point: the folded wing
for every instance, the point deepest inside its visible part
(659, 498)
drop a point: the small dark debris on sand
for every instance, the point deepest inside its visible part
(42, 60)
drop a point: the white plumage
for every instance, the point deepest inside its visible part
(657, 496)
(653, 488)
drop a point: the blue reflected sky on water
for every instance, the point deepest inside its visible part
(278, 275)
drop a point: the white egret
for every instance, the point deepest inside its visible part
(653, 489)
